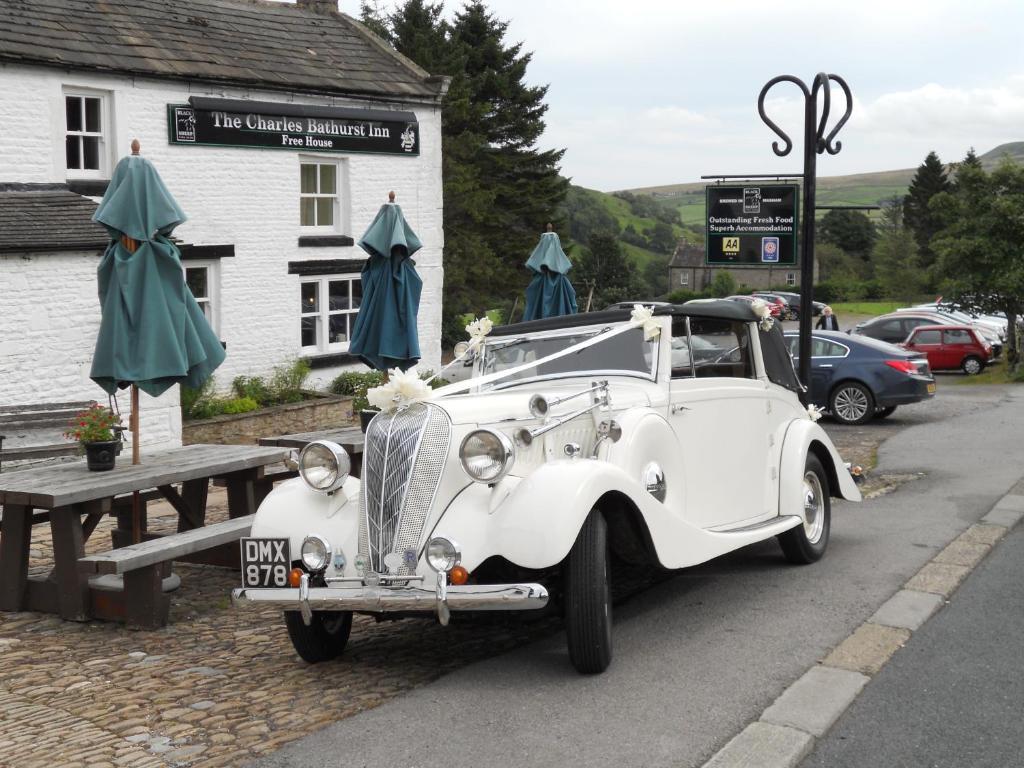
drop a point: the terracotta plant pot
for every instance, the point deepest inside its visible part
(100, 457)
(364, 418)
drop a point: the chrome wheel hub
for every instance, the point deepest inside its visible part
(851, 404)
(814, 508)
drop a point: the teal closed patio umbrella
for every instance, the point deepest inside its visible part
(549, 294)
(152, 332)
(385, 335)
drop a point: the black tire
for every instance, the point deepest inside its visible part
(972, 365)
(882, 413)
(807, 542)
(851, 403)
(588, 598)
(324, 639)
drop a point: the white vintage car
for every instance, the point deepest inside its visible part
(667, 438)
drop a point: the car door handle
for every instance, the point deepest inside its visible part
(825, 365)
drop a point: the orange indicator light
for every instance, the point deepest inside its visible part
(458, 575)
(294, 577)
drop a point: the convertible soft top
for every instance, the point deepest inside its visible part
(720, 308)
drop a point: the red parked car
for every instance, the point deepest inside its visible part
(773, 307)
(949, 347)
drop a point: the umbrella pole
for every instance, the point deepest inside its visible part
(135, 424)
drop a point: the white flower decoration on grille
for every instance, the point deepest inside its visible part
(814, 412)
(402, 388)
(644, 317)
(478, 329)
(762, 310)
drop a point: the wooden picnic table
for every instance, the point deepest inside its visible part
(349, 438)
(67, 492)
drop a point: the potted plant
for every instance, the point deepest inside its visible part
(98, 430)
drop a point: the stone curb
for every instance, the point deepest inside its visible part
(785, 733)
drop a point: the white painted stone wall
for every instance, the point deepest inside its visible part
(246, 197)
(50, 314)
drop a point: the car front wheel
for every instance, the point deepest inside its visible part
(588, 598)
(972, 366)
(807, 542)
(325, 637)
(852, 403)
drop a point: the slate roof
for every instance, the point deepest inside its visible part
(688, 255)
(48, 218)
(242, 42)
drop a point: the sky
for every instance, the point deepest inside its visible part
(653, 92)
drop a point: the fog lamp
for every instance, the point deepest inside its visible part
(316, 553)
(442, 554)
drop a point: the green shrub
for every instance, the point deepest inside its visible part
(285, 385)
(355, 384)
(252, 387)
(195, 403)
(237, 405)
(682, 296)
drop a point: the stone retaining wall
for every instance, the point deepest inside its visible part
(245, 428)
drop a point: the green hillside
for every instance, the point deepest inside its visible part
(855, 189)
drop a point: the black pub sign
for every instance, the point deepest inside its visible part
(296, 127)
(752, 225)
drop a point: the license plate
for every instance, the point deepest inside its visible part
(931, 389)
(265, 563)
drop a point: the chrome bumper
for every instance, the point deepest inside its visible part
(384, 599)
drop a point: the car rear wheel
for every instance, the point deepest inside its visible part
(852, 403)
(588, 598)
(325, 637)
(881, 413)
(972, 365)
(807, 542)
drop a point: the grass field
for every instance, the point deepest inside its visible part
(993, 374)
(866, 308)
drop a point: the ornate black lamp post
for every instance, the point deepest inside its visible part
(815, 142)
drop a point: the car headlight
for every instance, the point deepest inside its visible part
(316, 553)
(324, 466)
(442, 554)
(486, 455)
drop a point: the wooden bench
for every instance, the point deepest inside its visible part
(143, 604)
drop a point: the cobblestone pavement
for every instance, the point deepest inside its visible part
(218, 687)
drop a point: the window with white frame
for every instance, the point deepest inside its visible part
(86, 130)
(684, 277)
(201, 278)
(791, 278)
(329, 308)
(320, 188)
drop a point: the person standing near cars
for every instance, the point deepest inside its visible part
(827, 321)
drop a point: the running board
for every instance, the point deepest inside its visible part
(774, 522)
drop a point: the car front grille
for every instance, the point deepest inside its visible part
(403, 457)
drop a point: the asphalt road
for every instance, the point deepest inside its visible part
(953, 696)
(699, 656)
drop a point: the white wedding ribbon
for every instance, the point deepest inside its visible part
(465, 386)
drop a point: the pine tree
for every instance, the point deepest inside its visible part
(895, 257)
(499, 190)
(981, 248)
(930, 180)
(604, 269)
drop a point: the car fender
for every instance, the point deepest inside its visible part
(534, 521)
(802, 437)
(293, 511)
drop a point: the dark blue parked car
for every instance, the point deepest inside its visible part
(856, 378)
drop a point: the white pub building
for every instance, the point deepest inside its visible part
(279, 128)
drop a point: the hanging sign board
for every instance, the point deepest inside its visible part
(292, 127)
(752, 225)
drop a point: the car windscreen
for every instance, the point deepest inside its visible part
(626, 353)
(778, 365)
